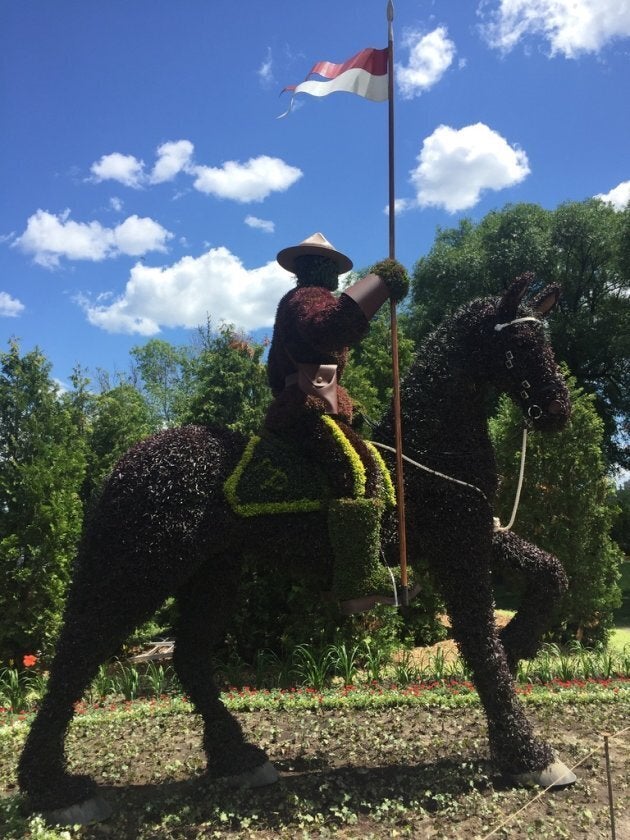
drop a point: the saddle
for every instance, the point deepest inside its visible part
(274, 477)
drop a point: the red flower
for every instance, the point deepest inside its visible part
(29, 660)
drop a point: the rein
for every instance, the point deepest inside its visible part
(497, 527)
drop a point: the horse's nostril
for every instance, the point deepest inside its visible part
(555, 407)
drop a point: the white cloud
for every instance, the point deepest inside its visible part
(116, 204)
(401, 205)
(265, 71)
(619, 196)
(126, 169)
(253, 180)
(136, 236)
(570, 27)
(260, 224)
(10, 307)
(61, 386)
(455, 166)
(172, 158)
(430, 56)
(185, 293)
(49, 238)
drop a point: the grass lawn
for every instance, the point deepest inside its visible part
(620, 638)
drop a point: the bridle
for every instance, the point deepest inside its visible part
(534, 411)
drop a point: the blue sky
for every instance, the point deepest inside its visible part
(147, 182)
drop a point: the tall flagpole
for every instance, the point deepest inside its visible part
(400, 486)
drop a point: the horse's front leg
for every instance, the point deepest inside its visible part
(460, 556)
(545, 582)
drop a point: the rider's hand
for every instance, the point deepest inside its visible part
(395, 276)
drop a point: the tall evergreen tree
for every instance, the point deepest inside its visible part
(120, 418)
(42, 464)
(567, 508)
(229, 382)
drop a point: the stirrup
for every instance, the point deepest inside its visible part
(366, 602)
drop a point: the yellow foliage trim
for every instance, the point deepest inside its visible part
(257, 508)
(356, 464)
(389, 491)
(230, 487)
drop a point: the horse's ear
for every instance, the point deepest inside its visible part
(513, 295)
(546, 301)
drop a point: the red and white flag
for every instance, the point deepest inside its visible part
(365, 74)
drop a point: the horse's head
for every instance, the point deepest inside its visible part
(522, 358)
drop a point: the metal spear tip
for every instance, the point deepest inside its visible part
(390, 10)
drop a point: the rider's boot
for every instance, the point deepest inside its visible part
(360, 578)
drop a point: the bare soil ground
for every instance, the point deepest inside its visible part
(382, 773)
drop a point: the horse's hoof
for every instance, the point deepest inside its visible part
(90, 810)
(554, 775)
(266, 774)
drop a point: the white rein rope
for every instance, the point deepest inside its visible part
(517, 498)
(496, 522)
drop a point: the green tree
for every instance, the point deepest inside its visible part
(621, 528)
(591, 328)
(583, 246)
(567, 508)
(42, 463)
(163, 371)
(120, 418)
(229, 382)
(368, 376)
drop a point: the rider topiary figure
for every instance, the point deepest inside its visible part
(313, 332)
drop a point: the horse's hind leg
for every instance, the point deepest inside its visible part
(545, 582)
(205, 603)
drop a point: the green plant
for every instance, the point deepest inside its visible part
(567, 669)
(232, 669)
(567, 483)
(406, 671)
(607, 665)
(157, 679)
(42, 464)
(346, 661)
(375, 659)
(437, 665)
(12, 689)
(312, 667)
(271, 670)
(102, 685)
(543, 666)
(127, 682)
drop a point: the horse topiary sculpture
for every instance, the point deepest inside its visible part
(162, 526)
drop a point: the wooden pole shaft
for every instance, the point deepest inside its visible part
(400, 485)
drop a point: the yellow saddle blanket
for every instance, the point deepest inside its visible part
(272, 477)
